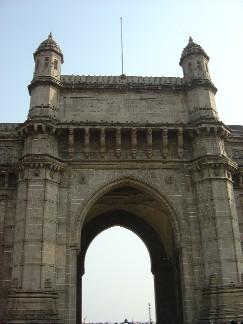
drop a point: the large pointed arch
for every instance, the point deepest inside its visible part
(122, 202)
(162, 200)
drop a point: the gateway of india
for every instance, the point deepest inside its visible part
(149, 154)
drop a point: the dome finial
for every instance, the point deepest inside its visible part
(49, 45)
(190, 39)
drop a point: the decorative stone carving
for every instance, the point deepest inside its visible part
(118, 142)
(165, 143)
(149, 143)
(169, 179)
(36, 172)
(237, 153)
(71, 142)
(67, 193)
(241, 180)
(82, 179)
(14, 283)
(134, 143)
(48, 283)
(212, 280)
(180, 142)
(52, 173)
(216, 172)
(102, 142)
(6, 152)
(86, 142)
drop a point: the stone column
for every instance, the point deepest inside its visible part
(218, 224)
(33, 296)
(220, 237)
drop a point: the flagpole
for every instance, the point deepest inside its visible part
(121, 47)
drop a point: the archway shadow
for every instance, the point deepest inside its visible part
(166, 273)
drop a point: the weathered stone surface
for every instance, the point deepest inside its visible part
(149, 154)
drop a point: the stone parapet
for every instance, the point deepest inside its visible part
(122, 80)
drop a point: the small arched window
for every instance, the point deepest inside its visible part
(206, 66)
(190, 67)
(37, 65)
(46, 63)
(55, 64)
(199, 65)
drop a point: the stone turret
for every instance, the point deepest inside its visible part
(34, 272)
(44, 87)
(194, 62)
(200, 89)
(48, 59)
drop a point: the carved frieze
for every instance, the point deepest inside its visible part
(102, 142)
(38, 163)
(48, 283)
(237, 153)
(8, 179)
(71, 142)
(238, 178)
(134, 143)
(31, 126)
(169, 179)
(212, 168)
(132, 107)
(86, 142)
(200, 113)
(165, 143)
(6, 151)
(118, 142)
(180, 142)
(149, 143)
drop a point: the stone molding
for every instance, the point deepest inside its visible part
(212, 167)
(40, 161)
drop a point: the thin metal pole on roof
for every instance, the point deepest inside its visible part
(121, 47)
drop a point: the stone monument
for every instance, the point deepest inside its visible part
(146, 153)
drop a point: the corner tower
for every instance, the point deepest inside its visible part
(44, 87)
(200, 89)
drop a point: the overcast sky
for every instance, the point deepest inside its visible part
(154, 35)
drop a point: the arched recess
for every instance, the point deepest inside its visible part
(130, 207)
(102, 192)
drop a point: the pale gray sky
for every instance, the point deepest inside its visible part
(154, 34)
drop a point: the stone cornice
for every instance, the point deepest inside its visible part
(51, 126)
(122, 81)
(132, 83)
(212, 167)
(47, 80)
(36, 125)
(34, 161)
(8, 130)
(213, 161)
(201, 82)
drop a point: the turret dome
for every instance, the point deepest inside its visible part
(49, 45)
(192, 48)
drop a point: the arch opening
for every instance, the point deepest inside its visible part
(139, 212)
(117, 283)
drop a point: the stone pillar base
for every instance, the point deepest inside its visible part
(32, 307)
(221, 304)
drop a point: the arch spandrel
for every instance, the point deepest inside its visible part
(158, 200)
